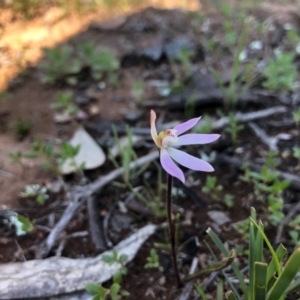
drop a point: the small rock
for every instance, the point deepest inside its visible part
(219, 217)
(133, 116)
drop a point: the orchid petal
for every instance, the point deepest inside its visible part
(193, 139)
(183, 127)
(189, 161)
(153, 128)
(169, 166)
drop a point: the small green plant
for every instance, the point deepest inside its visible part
(39, 193)
(138, 91)
(115, 258)
(206, 125)
(53, 157)
(101, 293)
(69, 152)
(296, 116)
(228, 200)
(101, 61)
(184, 56)
(60, 62)
(190, 106)
(211, 187)
(153, 261)
(234, 128)
(268, 186)
(21, 128)
(114, 292)
(127, 155)
(296, 154)
(281, 73)
(233, 92)
(64, 103)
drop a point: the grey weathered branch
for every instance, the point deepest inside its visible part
(237, 163)
(78, 196)
(270, 141)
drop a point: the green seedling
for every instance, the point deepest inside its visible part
(37, 192)
(296, 154)
(101, 293)
(102, 62)
(60, 63)
(153, 261)
(183, 57)
(233, 92)
(281, 73)
(21, 128)
(294, 226)
(267, 185)
(138, 91)
(115, 258)
(128, 155)
(189, 107)
(229, 200)
(234, 128)
(211, 187)
(69, 152)
(64, 103)
(205, 125)
(53, 157)
(296, 116)
(293, 38)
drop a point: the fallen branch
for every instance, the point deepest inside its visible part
(95, 224)
(79, 194)
(237, 163)
(60, 275)
(243, 118)
(188, 287)
(292, 212)
(270, 141)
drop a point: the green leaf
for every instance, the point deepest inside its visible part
(95, 289)
(260, 280)
(117, 278)
(114, 290)
(289, 272)
(220, 265)
(224, 251)
(123, 258)
(230, 296)
(26, 224)
(108, 259)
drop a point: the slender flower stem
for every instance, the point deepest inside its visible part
(172, 227)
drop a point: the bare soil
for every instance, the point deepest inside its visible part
(129, 37)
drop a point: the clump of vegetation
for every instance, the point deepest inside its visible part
(102, 61)
(115, 292)
(60, 62)
(281, 73)
(21, 128)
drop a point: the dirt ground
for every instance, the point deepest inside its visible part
(129, 37)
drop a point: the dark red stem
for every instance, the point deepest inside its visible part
(172, 227)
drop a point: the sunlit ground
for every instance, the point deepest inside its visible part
(21, 42)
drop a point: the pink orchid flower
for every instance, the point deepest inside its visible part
(168, 139)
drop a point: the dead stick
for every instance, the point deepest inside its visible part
(80, 194)
(237, 163)
(96, 229)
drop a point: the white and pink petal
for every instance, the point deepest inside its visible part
(194, 139)
(189, 161)
(183, 127)
(169, 166)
